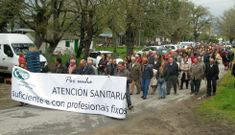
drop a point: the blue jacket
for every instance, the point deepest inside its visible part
(147, 72)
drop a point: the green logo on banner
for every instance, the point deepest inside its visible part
(20, 74)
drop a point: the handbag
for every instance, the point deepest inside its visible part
(160, 80)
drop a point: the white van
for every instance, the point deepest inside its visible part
(11, 45)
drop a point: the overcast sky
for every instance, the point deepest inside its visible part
(216, 7)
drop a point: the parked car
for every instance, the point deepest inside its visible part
(96, 60)
(187, 44)
(158, 49)
(11, 46)
(172, 47)
(233, 45)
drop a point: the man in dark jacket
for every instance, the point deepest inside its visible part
(85, 69)
(212, 75)
(172, 71)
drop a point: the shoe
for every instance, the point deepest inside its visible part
(191, 93)
(130, 107)
(167, 93)
(131, 93)
(144, 98)
(138, 93)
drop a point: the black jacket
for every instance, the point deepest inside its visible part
(172, 70)
(212, 72)
(233, 70)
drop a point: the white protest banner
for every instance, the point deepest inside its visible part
(78, 93)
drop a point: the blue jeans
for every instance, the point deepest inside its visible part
(145, 87)
(162, 89)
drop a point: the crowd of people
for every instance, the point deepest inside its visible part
(152, 72)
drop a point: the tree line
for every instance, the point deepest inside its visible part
(52, 19)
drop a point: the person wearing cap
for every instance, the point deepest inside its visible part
(212, 75)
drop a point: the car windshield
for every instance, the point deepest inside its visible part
(93, 55)
(21, 47)
(170, 47)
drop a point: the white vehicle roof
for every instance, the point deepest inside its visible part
(156, 46)
(6, 38)
(102, 52)
(170, 45)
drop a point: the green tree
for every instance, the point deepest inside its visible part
(9, 11)
(201, 19)
(226, 24)
(50, 19)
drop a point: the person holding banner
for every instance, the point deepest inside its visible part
(22, 64)
(122, 71)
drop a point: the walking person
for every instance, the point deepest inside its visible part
(161, 81)
(184, 67)
(197, 72)
(122, 71)
(233, 73)
(172, 72)
(147, 74)
(212, 75)
(153, 82)
(135, 75)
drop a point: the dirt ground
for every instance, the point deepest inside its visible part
(174, 119)
(5, 97)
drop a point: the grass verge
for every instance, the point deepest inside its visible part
(221, 106)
